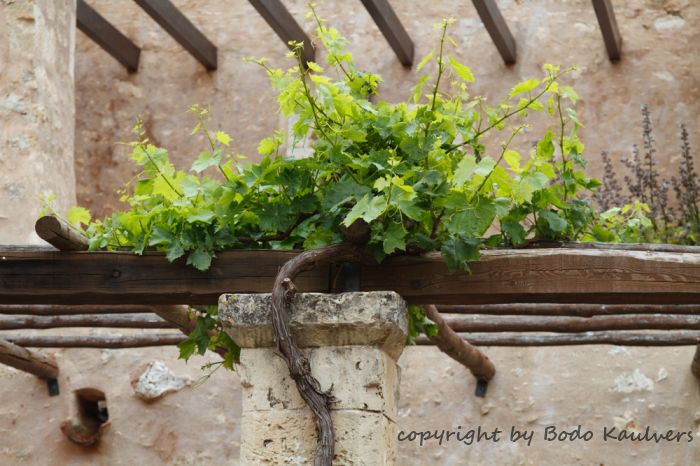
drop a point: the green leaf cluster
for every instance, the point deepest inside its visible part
(438, 172)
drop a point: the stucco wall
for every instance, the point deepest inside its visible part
(593, 386)
(36, 112)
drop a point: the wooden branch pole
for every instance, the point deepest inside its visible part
(389, 24)
(85, 320)
(107, 36)
(59, 234)
(555, 309)
(58, 309)
(111, 341)
(478, 323)
(461, 351)
(182, 30)
(29, 361)
(676, 338)
(497, 28)
(608, 27)
(285, 26)
(695, 366)
(182, 317)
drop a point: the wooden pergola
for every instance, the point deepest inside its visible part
(286, 27)
(551, 294)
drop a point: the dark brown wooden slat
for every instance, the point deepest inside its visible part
(182, 30)
(26, 360)
(284, 25)
(676, 338)
(608, 27)
(55, 277)
(500, 277)
(107, 36)
(108, 341)
(384, 16)
(19, 322)
(544, 276)
(480, 323)
(497, 28)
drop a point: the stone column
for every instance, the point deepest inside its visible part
(353, 341)
(37, 112)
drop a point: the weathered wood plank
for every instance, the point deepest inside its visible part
(107, 36)
(389, 24)
(497, 28)
(676, 338)
(54, 277)
(33, 362)
(579, 310)
(500, 277)
(608, 27)
(105, 341)
(285, 26)
(182, 30)
(111, 320)
(544, 275)
(479, 323)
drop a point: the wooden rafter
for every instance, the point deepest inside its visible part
(182, 30)
(677, 338)
(107, 36)
(284, 25)
(103, 341)
(608, 27)
(384, 16)
(561, 275)
(33, 362)
(497, 28)
(85, 320)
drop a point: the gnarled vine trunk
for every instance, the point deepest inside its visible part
(282, 295)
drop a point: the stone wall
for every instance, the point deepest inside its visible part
(37, 114)
(595, 386)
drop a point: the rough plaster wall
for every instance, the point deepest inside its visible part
(200, 426)
(36, 112)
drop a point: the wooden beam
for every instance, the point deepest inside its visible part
(85, 320)
(477, 323)
(107, 36)
(57, 309)
(59, 234)
(544, 276)
(497, 28)
(182, 30)
(26, 360)
(695, 365)
(678, 338)
(384, 16)
(579, 310)
(500, 277)
(284, 25)
(55, 277)
(111, 341)
(608, 26)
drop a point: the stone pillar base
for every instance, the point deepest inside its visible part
(353, 341)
